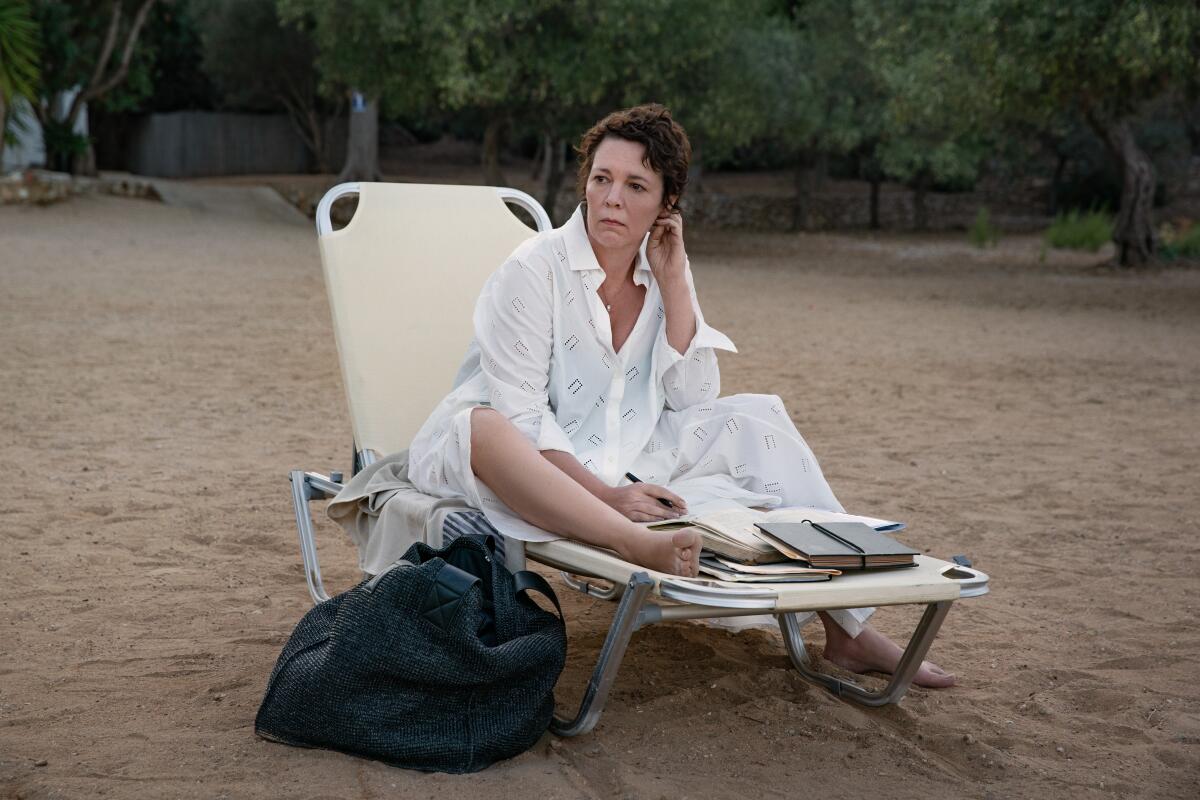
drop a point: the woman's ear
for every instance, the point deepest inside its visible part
(669, 203)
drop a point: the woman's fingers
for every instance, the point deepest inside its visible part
(656, 510)
(673, 221)
(651, 509)
(662, 492)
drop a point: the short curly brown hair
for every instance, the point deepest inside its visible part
(668, 151)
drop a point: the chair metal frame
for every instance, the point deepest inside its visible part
(636, 608)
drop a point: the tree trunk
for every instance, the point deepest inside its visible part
(808, 177)
(874, 204)
(362, 147)
(85, 163)
(3, 128)
(307, 123)
(1056, 184)
(695, 182)
(541, 163)
(920, 212)
(1133, 231)
(555, 172)
(492, 175)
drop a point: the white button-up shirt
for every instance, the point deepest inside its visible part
(543, 356)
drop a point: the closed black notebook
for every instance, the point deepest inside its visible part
(837, 545)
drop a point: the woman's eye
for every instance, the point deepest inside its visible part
(599, 179)
(637, 187)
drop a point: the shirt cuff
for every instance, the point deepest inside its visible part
(551, 435)
(705, 336)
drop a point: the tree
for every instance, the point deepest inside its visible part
(89, 51)
(552, 68)
(818, 89)
(258, 63)
(378, 50)
(933, 105)
(1104, 60)
(19, 48)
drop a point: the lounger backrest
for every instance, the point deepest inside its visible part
(403, 277)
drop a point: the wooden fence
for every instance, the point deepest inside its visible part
(185, 144)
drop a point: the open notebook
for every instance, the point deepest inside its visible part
(728, 528)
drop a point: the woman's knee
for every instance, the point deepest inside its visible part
(485, 422)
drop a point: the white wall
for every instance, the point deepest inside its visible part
(29, 151)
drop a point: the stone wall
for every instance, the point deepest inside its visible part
(843, 209)
(41, 187)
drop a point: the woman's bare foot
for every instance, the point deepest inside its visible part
(871, 651)
(676, 553)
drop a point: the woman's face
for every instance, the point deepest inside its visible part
(624, 195)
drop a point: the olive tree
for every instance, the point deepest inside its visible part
(1105, 60)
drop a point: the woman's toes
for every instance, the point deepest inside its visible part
(933, 676)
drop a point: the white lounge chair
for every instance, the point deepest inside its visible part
(403, 277)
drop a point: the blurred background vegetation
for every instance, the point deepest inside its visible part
(1095, 104)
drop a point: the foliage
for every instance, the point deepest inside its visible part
(88, 59)
(982, 232)
(549, 65)
(19, 50)
(933, 105)
(259, 63)
(1183, 245)
(1105, 61)
(72, 35)
(381, 48)
(251, 57)
(1101, 58)
(178, 73)
(1080, 230)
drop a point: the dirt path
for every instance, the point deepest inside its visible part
(163, 368)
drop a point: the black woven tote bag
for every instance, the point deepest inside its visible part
(441, 663)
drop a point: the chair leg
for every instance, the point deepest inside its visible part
(906, 670)
(624, 623)
(301, 494)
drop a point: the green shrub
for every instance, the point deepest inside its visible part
(1183, 245)
(1077, 230)
(982, 233)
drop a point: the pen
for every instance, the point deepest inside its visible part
(635, 479)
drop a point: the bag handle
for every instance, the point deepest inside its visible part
(528, 581)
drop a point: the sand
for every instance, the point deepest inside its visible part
(163, 367)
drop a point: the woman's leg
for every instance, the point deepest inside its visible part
(545, 496)
(871, 651)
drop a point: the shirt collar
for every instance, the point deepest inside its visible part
(581, 257)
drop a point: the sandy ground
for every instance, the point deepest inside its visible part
(163, 367)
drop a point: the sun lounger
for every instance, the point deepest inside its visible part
(402, 279)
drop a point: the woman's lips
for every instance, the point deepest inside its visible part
(612, 222)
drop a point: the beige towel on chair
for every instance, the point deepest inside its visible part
(384, 514)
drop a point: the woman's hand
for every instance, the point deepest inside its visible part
(640, 502)
(665, 250)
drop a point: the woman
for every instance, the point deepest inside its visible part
(592, 361)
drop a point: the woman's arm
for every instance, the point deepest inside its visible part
(668, 262)
(686, 359)
(640, 502)
(514, 331)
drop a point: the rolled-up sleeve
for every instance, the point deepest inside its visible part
(514, 327)
(692, 377)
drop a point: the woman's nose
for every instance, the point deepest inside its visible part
(613, 198)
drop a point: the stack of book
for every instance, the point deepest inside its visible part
(789, 544)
